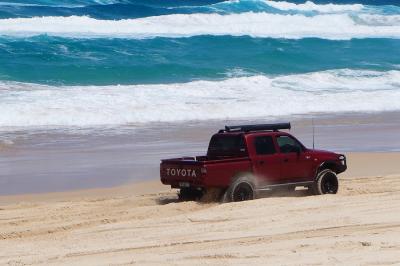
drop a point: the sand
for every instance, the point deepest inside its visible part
(144, 224)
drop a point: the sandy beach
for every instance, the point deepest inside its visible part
(144, 224)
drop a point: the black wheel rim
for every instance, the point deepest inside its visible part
(329, 184)
(243, 192)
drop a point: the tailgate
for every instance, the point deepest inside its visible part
(181, 172)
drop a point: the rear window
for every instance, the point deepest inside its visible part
(227, 146)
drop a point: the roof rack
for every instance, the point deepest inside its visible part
(259, 127)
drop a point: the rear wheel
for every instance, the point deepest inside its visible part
(326, 183)
(241, 189)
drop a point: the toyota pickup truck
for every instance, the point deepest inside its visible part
(243, 161)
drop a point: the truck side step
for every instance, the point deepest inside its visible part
(296, 184)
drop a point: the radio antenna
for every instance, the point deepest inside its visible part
(313, 133)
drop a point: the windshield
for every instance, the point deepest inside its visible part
(227, 146)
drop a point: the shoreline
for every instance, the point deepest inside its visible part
(361, 165)
(50, 161)
(139, 188)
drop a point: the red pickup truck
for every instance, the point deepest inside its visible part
(242, 161)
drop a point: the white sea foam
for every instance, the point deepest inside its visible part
(16, 4)
(32, 105)
(311, 6)
(329, 26)
(53, 3)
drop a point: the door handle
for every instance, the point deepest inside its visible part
(261, 162)
(285, 160)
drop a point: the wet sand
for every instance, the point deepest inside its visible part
(62, 160)
(148, 226)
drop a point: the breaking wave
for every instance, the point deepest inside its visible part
(129, 9)
(332, 26)
(311, 6)
(345, 90)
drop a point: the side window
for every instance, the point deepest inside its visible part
(288, 144)
(264, 145)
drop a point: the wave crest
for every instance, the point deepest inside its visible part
(32, 105)
(332, 26)
(311, 6)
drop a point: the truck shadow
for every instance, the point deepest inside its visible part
(281, 194)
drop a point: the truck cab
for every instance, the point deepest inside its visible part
(244, 160)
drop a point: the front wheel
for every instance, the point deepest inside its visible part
(326, 183)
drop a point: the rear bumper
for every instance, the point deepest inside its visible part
(182, 182)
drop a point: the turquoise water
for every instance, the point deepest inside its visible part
(54, 60)
(121, 62)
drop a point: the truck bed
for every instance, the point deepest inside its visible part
(201, 160)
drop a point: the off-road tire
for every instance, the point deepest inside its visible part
(189, 194)
(241, 189)
(327, 182)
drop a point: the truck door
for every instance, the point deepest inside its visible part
(296, 162)
(266, 160)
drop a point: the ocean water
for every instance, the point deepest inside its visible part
(112, 63)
